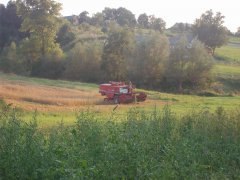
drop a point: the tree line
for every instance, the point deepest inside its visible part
(122, 17)
(34, 34)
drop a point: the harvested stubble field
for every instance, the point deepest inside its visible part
(45, 98)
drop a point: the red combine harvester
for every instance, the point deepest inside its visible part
(119, 92)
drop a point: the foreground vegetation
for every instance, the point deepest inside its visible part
(141, 145)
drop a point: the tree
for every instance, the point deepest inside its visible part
(238, 32)
(97, 19)
(189, 64)
(8, 61)
(84, 62)
(157, 23)
(84, 18)
(209, 29)
(40, 18)
(10, 25)
(147, 66)
(29, 53)
(109, 14)
(201, 63)
(117, 50)
(143, 20)
(122, 16)
(177, 64)
(125, 17)
(181, 28)
(3, 37)
(65, 35)
(74, 20)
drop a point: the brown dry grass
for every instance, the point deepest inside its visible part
(28, 96)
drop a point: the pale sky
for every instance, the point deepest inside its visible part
(171, 11)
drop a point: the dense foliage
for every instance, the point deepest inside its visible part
(84, 62)
(116, 54)
(147, 68)
(210, 30)
(109, 45)
(200, 145)
(189, 65)
(10, 24)
(40, 20)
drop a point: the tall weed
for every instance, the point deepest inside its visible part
(141, 145)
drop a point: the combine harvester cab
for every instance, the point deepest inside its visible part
(119, 92)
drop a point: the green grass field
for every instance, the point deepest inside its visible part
(227, 68)
(230, 52)
(228, 76)
(227, 71)
(179, 104)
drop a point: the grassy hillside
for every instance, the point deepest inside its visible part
(229, 77)
(84, 34)
(227, 68)
(230, 52)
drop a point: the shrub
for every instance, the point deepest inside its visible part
(84, 62)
